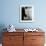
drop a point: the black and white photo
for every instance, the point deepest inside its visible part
(26, 13)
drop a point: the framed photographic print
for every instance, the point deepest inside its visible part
(26, 13)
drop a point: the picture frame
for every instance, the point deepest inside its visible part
(26, 13)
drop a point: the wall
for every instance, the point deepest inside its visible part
(10, 13)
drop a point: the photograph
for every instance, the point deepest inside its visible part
(26, 13)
